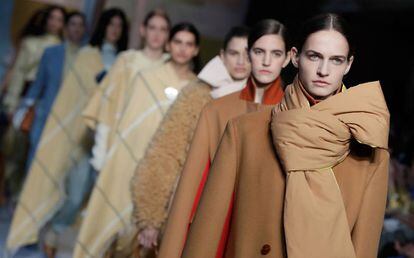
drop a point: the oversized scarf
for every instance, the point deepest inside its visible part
(309, 142)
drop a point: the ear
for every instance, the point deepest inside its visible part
(196, 51)
(222, 54)
(168, 47)
(350, 61)
(295, 56)
(287, 60)
(142, 30)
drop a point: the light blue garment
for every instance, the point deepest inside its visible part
(43, 92)
(79, 183)
(108, 53)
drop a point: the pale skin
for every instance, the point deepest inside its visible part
(322, 63)
(114, 30)
(235, 58)
(268, 57)
(155, 34)
(55, 22)
(183, 48)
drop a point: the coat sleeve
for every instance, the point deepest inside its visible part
(19, 71)
(179, 217)
(367, 230)
(98, 109)
(38, 85)
(156, 175)
(205, 236)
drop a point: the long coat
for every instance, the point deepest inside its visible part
(247, 182)
(64, 142)
(44, 90)
(210, 128)
(109, 211)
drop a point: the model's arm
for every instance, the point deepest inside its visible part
(367, 230)
(17, 80)
(208, 233)
(157, 173)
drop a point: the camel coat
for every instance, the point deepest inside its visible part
(246, 188)
(210, 128)
(155, 178)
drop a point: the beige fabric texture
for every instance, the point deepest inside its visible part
(64, 141)
(134, 120)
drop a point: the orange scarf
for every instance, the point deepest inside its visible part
(272, 95)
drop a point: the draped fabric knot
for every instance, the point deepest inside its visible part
(309, 142)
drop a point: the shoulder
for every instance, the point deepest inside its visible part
(223, 102)
(88, 54)
(254, 122)
(196, 88)
(54, 49)
(89, 50)
(129, 55)
(193, 97)
(155, 72)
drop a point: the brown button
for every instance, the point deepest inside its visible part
(265, 249)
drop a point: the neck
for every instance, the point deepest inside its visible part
(109, 42)
(260, 85)
(74, 42)
(151, 53)
(183, 70)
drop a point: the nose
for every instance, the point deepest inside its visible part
(266, 59)
(241, 59)
(323, 68)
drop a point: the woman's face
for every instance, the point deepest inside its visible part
(55, 22)
(155, 32)
(323, 62)
(268, 56)
(75, 29)
(183, 47)
(235, 58)
(114, 30)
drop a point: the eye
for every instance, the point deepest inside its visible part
(337, 61)
(277, 54)
(313, 57)
(257, 51)
(231, 53)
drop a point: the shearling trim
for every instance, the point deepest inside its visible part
(155, 177)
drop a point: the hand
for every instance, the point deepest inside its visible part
(148, 237)
(407, 249)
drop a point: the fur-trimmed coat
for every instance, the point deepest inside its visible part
(165, 156)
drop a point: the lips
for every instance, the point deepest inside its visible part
(264, 72)
(320, 83)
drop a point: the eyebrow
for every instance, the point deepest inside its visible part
(271, 50)
(320, 54)
(233, 50)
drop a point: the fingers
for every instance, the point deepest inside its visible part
(148, 239)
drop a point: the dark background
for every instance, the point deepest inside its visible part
(382, 31)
